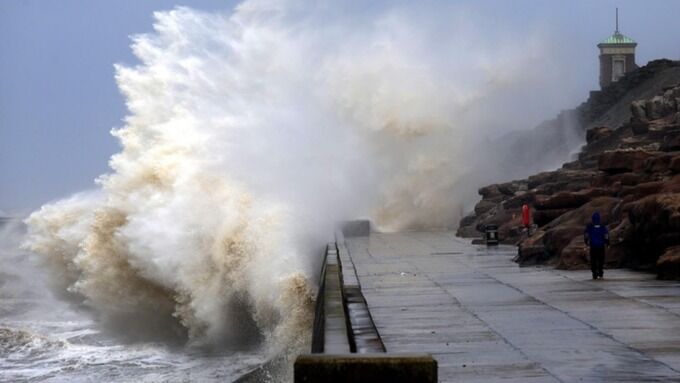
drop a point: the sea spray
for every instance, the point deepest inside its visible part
(249, 135)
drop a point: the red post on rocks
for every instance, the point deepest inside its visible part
(526, 215)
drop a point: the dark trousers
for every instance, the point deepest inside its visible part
(597, 260)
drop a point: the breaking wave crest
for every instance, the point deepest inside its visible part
(21, 344)
(249, 135)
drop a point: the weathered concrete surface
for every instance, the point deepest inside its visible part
(486, 320)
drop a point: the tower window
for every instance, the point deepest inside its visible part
(618, 68)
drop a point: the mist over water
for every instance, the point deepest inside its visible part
(251, 133)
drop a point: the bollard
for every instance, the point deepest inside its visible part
(491, 235)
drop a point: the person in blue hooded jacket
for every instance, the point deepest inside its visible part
(596, 236)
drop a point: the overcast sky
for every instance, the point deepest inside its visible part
(58, 97)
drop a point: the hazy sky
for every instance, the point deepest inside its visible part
(58, 97)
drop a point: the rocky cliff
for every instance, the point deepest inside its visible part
(628, 170)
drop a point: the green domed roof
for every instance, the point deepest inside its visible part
(618, 38)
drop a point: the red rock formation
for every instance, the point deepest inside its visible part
(668, 265)
(630, 175)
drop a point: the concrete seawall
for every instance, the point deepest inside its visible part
(429, 306)
(346, 345)
(485, 319)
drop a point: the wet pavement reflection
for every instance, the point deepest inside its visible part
(487, 320)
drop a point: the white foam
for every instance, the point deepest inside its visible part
(251, 133)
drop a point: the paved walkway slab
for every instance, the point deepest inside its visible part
(487, 320)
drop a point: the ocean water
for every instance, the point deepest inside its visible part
(48, 338)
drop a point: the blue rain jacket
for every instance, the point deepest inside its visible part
(596, 235)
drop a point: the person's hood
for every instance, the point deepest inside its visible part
(596, 218)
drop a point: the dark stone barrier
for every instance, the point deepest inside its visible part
(374, 368)
(357, 228)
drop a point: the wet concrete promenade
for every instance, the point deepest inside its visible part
(487, 320)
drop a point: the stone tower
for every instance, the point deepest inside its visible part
(617, 56)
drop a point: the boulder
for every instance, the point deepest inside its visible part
(671, 143)
(556, 187)
(468, 220)
(637, 110)
(668, 265)
(543, 217)
(671, 185)
(656, 214)
(556, 239)
(582, 216)
(655, 226)
(670, 101)
(562, 180)
(619, 233)
(663, 129)
(489, 191)
(532, 251)
(621, 161)
(597, 133)
(658, 163)
(674, 166)
(639, 127)
(572, 165)
(469, 230)
(509, 188)
(605, 181)
(569, 200)
(628, 179)
(617, 255)
(484, 206)
(587, 160)
(519, 200)
(496, 216)
(668, 239)
(642, 190)
(574, 256)
(510, 230)
(671, 91)
(656, 107)
(549, 202)
(545, 177)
